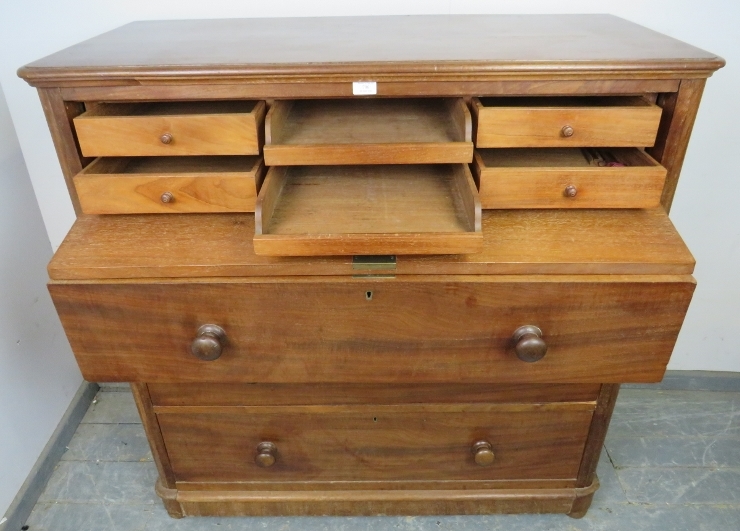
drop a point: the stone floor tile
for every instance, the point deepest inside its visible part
(108, 442)
(674, 451)
(644, 413)
(89, 517)
(610, 490)
(112, 408)
(719, 486)
(103, 482)
(114, 387)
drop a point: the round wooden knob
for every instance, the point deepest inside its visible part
(529, 345)
(567, 131)
(208, 343)
(166, 138)
(570, 191)
(167, 197)
(483, 453)
(266, 454)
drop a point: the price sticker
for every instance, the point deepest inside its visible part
(364, 88)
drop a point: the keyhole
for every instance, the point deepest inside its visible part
(369, 295)
(375, 419)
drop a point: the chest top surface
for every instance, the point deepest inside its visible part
(434, 44)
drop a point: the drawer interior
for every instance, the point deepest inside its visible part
(168, 108)
(134, 185)
(570, 158)
(399, 209)
(432, 130)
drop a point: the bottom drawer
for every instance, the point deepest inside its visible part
(410, 442)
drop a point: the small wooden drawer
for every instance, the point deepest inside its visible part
(140, 185)
(564, 178)
(409, 329)
(368, 131)
(368, 210)
(609, 121)
(171, 128)
(417, 442)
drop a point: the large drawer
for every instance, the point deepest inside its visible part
(418, 329)
(420, 442)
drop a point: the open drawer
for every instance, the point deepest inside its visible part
(568, 178)
(153, 185)
(171, 128)
(368, 210)
(368, 131)
(587, 121)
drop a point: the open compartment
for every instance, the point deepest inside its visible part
(368, 210)
(152, 185)
(577, 121)
(171, 128)
(368, 131)
(568, 178)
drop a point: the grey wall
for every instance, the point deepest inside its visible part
(38, 375)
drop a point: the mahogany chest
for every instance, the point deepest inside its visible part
(377, 265)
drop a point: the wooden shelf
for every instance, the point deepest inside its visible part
(368, 131)
(547, 178)
(349, 210)
(137, 185)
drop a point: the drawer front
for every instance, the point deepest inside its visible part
(163, 185)
(627, 122)
(192, 131)
(378, 442)
(550, 178)
(452, 329)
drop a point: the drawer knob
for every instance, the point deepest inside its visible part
(167, 197)
(266, 454)
(529, 345)
(208, 343)
(570, 191)
(567, 131)
(166, 138)
(483, 453)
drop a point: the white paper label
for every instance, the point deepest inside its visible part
(364, 88)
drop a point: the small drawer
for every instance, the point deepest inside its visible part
(567, 178)
(171, 128)
(368, 131)
(608, 121)
(368, 210)
(443, 442)
(154, 185)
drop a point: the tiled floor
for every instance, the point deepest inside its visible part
(672, 462)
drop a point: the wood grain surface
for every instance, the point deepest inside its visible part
(515, 242)
(353, 210)
(537, 178)
(431, 47)
(421, 329)
(376, 442)
(368, 131)
(538, 122)
(196, 128)
(196, 184)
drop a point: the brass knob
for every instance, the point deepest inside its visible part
(529, 345)
(483, 453)
(266, 454)
(208, 343)
(166, 138)
(567, 131)
(167, 197)
(570, 191)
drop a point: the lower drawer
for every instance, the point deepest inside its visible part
(597, 329)
(376, 442)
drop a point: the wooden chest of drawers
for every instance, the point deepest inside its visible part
(387, 265)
